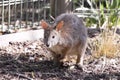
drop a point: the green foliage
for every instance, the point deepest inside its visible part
(107, 10)
(90, 21)
(102, 15)
(113, 16)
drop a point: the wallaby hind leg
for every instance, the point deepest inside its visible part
(80, 55)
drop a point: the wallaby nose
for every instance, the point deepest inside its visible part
(47, 45)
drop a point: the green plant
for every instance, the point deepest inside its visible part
(112, 13)
(106, 10)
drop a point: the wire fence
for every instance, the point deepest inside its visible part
(15, 14)
(22, 13)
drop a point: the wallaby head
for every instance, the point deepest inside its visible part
(51, 34)
(54, 36)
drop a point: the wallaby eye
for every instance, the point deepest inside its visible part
(53, 36)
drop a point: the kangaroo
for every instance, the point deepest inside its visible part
(67, 36)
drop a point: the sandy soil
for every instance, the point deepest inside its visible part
(31, 60)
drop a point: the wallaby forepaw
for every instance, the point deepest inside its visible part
(63, 60)
(78, 66)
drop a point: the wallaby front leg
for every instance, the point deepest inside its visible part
(63, 58)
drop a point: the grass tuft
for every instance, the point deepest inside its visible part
(106, 45)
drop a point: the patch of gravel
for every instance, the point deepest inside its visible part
(31, 60)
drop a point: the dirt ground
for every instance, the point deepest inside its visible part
(31, 60)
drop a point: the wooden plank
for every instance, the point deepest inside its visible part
(21, 37)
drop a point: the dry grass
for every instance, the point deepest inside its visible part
(106, 45)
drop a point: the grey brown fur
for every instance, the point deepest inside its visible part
(70, 39)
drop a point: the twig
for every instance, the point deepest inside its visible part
(21, 75)
(104, 63)
(52, 17)
(50, 73)
(104, 26)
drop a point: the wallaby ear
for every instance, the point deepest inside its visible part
(59, 25)
(44, 24)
